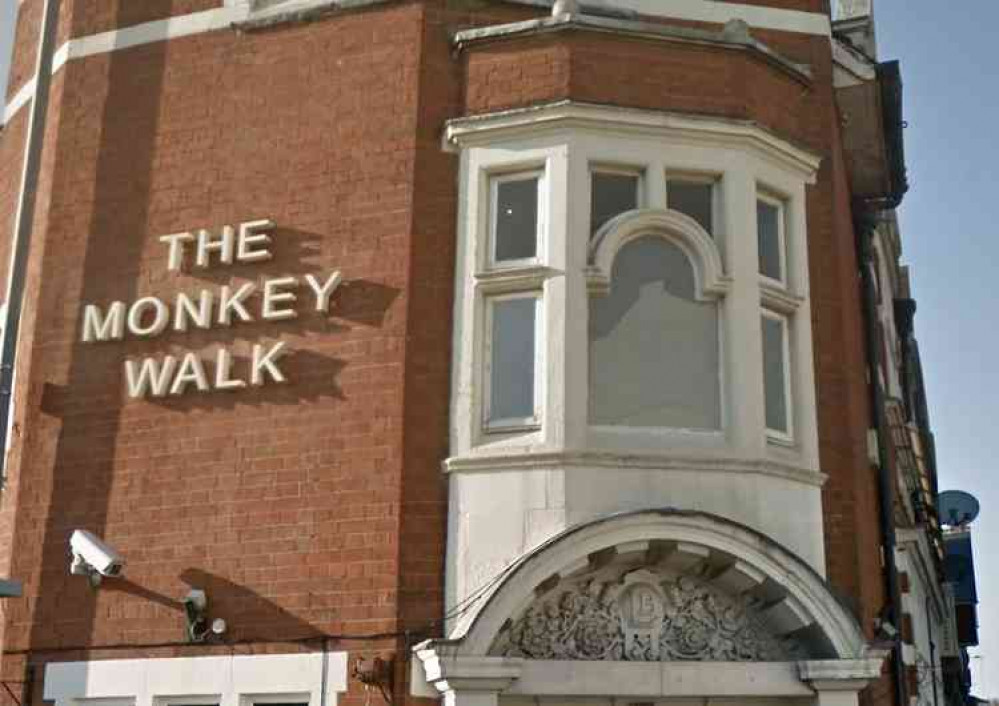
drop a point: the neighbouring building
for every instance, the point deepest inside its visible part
(391, 351)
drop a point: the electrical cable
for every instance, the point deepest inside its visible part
(457, 611)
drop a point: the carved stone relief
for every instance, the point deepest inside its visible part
(642, 615)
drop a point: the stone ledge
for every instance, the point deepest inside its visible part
(734, 36)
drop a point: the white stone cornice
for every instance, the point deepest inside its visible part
(697, 130)
(780, 299)
(797, 21)
(569, 460)
(734, 36)
(449, 672)
(843, 674)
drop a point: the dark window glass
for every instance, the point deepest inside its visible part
(516, 219)
(613, 194)
(775, 374)
(768, 231)
(693, 199)
(511, 382)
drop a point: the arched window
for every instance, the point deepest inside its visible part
(654, 349)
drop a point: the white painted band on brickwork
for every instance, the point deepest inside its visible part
(721, 12)
(20, 99)
(211, 20)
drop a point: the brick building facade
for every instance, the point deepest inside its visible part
(437, 469)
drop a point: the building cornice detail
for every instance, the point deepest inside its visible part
(568, 114)
(572, 460)
(734, 37)
(711, 11)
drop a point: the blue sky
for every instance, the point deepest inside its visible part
(949, 239)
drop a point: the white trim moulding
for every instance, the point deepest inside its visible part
(798, 21)
(230, 16)
(812, 23)
(569, 460)
(735, 35)
(20, 99)
(567, 113)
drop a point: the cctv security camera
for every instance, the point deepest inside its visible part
(92, 557)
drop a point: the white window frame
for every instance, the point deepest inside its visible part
(206, 699)
(614, 169)
(782, 437)
(231, 680)
(708, 179)
(513, 424)
(780, 203)
(540, 217)
(265, 699)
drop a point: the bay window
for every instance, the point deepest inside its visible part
(629, 294)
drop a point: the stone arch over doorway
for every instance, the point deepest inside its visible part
(657, 604)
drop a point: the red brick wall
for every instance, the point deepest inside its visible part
(94, 17)
(25, 48)
(284, 503)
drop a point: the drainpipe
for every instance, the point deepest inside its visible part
(933, 651)
(865, 225)
(24, 220)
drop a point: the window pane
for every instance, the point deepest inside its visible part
(775, 374)
(511, 382)
(613, 194)
(516, 219)
(768, 231)
(653, 347)
(693, 199)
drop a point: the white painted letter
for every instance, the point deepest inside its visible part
(262, 361)
(161, 317)
(185, 311)
(176, 243)
(97, 327)
(273, 296)
(230, 303)
(223, 368)
(323, 292)
(191, 370)
(224, 245)
(150, 376)
(252, 233)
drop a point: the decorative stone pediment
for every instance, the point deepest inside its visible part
(627, 611)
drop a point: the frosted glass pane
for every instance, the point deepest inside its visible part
(511, 381)
(613, 194)
(516, 219)
(692, 199)
(768, 231)
(774, 374)
(653, 348)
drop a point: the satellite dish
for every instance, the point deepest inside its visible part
(957, 508)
